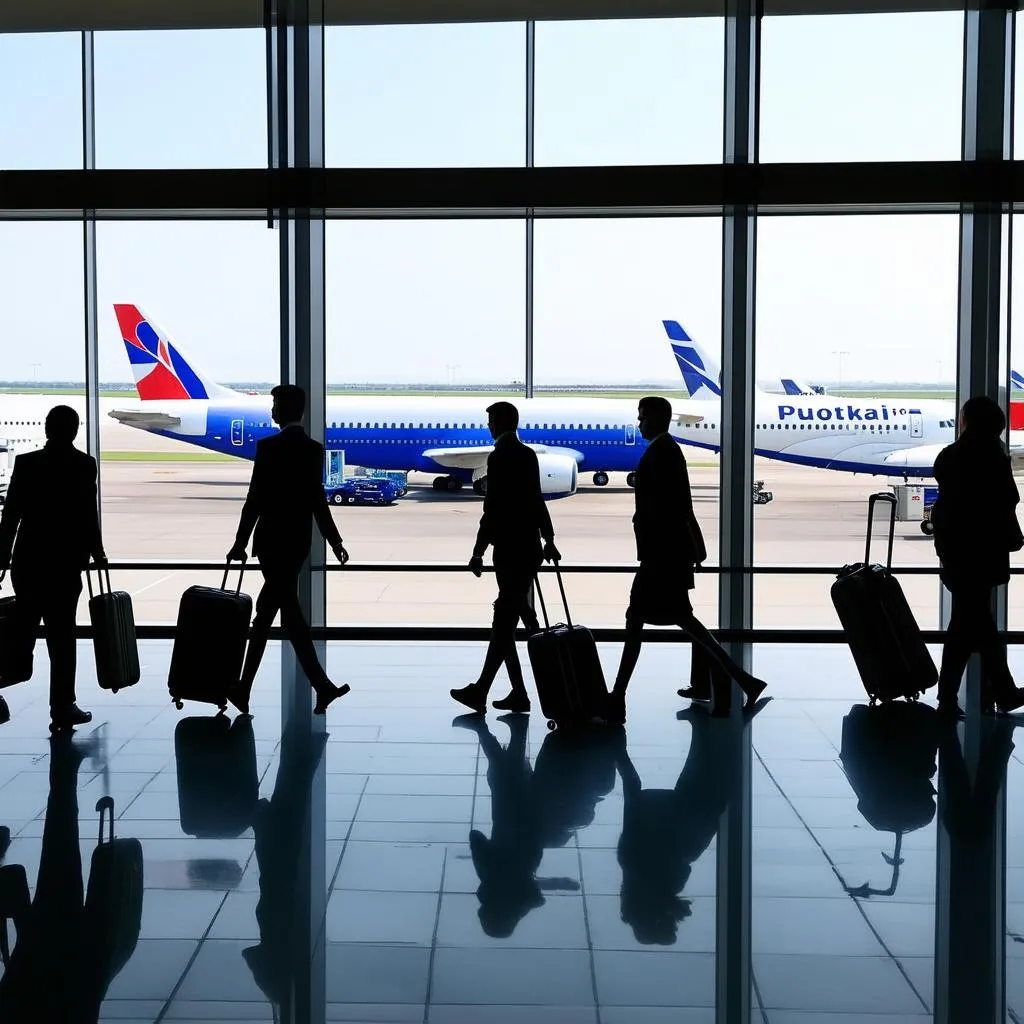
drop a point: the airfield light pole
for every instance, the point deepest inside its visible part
(840, 353)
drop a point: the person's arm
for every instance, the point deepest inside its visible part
(485, 532)
(12, 515)
(321, 510)
(253, 502)
(547, 531)
(93, 516)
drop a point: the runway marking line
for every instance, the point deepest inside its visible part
(155, 583)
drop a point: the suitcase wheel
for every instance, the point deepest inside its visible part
(872, 702)
(178, 704)
(551, 723)
(114, 689)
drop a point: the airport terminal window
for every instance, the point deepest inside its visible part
(178, 99)
(885, 87)
(865, 307)
(189, 325)
(41, 82)
(644, 91)
(425, 95)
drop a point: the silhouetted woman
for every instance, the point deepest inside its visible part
(975, 518)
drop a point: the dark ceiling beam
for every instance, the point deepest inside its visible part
(103, 15)
(551, 191)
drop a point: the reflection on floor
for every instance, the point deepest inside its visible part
(416, 868)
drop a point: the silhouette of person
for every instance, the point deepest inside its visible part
(55, 972)
(514, 520)
(976, 527)
(669, 545)
(279, 827)
(665, 831)
(286, 494)
(51, 522)
(533, 810)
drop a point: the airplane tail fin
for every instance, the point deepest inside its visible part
(1017, 380)
(792, 387)
(701, 373)
(162, 372)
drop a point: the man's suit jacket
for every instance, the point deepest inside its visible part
(515, 516)
(286, 493)
(665, 527)
(50, 518)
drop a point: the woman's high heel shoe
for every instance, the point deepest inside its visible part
(1004, 702)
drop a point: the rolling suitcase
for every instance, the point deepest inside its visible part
(883, 635)
(218, 785)
(16, 645)
(209, 642)
(566, 668)
(112, 916)
(113, 634)
(889, 756)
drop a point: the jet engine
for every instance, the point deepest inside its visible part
(557, 475)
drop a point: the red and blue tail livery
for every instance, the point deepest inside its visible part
(161, 372)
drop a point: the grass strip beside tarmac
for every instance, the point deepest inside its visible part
(166, 457)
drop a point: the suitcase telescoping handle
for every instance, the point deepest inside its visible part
(103, 805)
(889, 498)
(241, 573)
(101, 571)
(540, 595)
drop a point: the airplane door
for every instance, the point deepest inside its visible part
(916, 425)
(238, 432)
(630, 434)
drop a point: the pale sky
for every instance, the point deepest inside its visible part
(443, 301)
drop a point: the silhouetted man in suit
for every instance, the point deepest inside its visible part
(975, 519)
(514, 520)
(51, 522)
(669, 546)
(286, 494)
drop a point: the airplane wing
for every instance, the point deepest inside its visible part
(145, 420)
(460, 458)
(686, 417)
(476, 458)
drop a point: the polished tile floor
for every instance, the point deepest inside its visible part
(415, 868)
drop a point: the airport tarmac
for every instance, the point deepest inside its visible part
(189, 511)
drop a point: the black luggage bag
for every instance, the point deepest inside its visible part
(218, 785)
(209, 643)
(113, 630)
(113, 899)
(883, 635)
(889, 756)
(16, 645)
(566, 668)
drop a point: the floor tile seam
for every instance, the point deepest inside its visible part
(586, 927)
(191, 962)
(433, 939)
(856, 903)
(344, 844)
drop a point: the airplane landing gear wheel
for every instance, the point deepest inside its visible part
(480, 486)
(601, 479)
(452, 484)
(927, 527)
(631, 479)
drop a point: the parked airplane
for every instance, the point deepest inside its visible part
(898, 437)
(570, 435)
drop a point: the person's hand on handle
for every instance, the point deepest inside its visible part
(340, 553)
(100, 559)
(476, 566)
(237, 553)
(551, 553)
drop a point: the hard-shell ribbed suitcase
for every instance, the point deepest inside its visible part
(883, 634)
(218, 785)
(209, 643)
(566, 669)
(16, 646)
(113, 634)
(112, 917)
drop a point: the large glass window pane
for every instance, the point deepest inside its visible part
(864, 310)
(629, 92)
(425, 95)
(603, 291)
(861, 87)
(181, 99)
(41, 113)
(185, 309)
